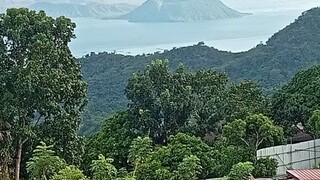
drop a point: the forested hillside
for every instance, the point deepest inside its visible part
(180, 124)
(272, 64)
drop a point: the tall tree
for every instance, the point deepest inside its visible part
(41, 82)
(165, 102)
(113, 140)
(295, 101)
(255, 131)
(161, 100)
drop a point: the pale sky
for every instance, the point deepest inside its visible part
(250, 5)
(240, 5)
(243, 5)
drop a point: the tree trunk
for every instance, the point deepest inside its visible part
(18, 159)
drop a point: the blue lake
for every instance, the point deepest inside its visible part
(241, 34)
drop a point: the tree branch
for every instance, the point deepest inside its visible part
(245, 142)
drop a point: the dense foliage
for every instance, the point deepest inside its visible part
(172, 114)
(241, 171)
(255, 131)
(265, 167)
(164, 103)
(179, 124)
(42, 92)
(44, 163)
(313, 124)
(113, 140)
(293, 48)
(295, 102)
(69, 173)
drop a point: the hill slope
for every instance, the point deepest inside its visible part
(95, 10)
(181, 11)
(296, 46)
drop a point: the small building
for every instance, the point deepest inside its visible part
(300, 136)
(303, 174)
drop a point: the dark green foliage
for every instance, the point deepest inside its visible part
(171, 160)
(160, 100)
(255, 131)
(103, 169)
(5, 148)
(69, 173)
(164, 103)
(265, 168)
(44, 163)
(113, 140)
(182, 145)
(189, 168)
(293, 48)
(43, 97)
(313, 123)
(228, 155)
(241, 171)
(140, 152)
(42, 90)
(295, 102)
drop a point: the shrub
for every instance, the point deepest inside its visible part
(265, 167)
(241, 171)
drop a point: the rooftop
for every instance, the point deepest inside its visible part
(304, 174)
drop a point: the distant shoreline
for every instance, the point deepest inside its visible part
(234, 45)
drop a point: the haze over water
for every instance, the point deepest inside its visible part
(241, 34)
(123, 37)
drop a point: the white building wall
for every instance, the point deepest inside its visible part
(305, 155)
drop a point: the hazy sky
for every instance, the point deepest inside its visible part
(246, 4)
(251, 5)
(241, 5)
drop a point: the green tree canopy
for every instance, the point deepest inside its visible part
(265, 168)
(255, 131)
(313, 123)
(189, 168)
(295, 101)
(103, 169)
(164, 103)
(112, 140)
(41, 87)
(171, 161)
(44, 163)
(69, 173)
(241, 171)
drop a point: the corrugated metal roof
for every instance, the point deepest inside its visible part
(305, 174)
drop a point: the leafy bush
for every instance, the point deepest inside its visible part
(70, 173)
(241, 171)
(44, 163)
(265, 167)
(103, 169)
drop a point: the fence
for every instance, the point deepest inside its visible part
(303, 155)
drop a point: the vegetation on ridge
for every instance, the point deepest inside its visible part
(271, 65)
(179, 124)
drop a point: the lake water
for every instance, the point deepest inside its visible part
(123, 37)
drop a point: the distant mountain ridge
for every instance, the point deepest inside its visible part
(295, 47)
(181, 11)
(96, 10)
